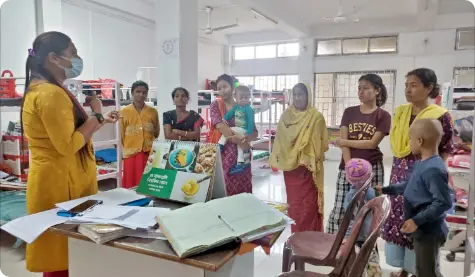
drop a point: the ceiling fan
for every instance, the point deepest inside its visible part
(208, 30)
(342, 17)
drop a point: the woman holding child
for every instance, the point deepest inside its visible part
(299, 147)
(240, 182)
(421, 84)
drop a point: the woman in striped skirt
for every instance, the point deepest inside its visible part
(362, 129)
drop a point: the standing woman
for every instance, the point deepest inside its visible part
(421, 84)
(239, 182)
(180, 124)
(139, 127)
(62, 165)
(299, 148)
(362, 129)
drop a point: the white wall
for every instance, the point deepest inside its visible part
(17, 32)
(210, 65)
(111, 46)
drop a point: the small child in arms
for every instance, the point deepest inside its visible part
(244, 120)
(426, 197)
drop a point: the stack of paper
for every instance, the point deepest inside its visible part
(125, 216)
(102, 233)
(30, 227)
(200, 227)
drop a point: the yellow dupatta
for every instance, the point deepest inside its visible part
(399, 136)
(302, 139)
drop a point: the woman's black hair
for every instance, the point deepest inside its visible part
(45, 44)
(137, 84)
(428, 78)
(227, 78)
(377, 83)
(187, 93)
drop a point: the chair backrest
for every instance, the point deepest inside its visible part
(349, 265)
(355, 205)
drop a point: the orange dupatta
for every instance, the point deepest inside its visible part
(214, 134)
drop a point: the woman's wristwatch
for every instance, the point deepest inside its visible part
(99, 117)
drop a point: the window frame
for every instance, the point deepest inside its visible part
(368, 50)
(286, 57)
(265, 44)
(274, 117)
(457, 38)
(334, 96)
(239, 46)
(261, 45)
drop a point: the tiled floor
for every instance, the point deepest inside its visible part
(268, 186)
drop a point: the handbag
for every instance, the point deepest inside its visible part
(8, 86)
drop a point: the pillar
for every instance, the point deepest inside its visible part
(176, 33)
(48, 16)
(306, 61)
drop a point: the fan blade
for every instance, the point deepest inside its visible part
(224, 6)
(225, 27)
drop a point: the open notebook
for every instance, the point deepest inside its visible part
(203, 226)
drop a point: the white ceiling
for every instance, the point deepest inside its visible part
(299, 17)
(228, 15)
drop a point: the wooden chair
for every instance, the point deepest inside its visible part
(350, 263)
(319, 248)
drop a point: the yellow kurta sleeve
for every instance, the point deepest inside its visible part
(56, 112)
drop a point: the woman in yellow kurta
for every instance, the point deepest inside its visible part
(139, 128)
(62, 163)
(300, 144)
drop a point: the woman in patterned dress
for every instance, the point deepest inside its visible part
(239, 182)
(421, 84)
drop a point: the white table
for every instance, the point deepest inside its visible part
(135, 256)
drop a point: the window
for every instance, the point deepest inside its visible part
(329, 47)
(349, 46)
(265, 83)
(246, 80)
(288, 50)
(355, 46)
(268, 84)
(244, 52)
(464, 77)
(286, 81)
(334, 92)
(266, 51)
(465, 39)
(383, 44)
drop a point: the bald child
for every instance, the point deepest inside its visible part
(426, 197)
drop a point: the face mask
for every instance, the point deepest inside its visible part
(75, 70)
